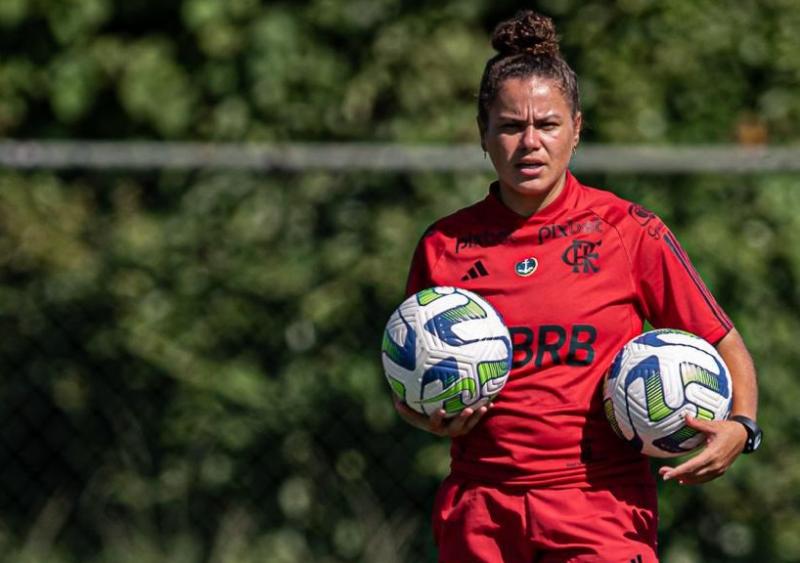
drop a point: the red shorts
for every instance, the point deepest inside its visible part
(481, 524)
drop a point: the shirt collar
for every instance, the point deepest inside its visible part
(563, 202)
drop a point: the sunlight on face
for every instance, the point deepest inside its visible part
(529, 136)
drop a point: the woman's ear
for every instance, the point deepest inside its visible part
(577, 123)
(481, 131)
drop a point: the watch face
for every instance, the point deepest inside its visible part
(756, 441)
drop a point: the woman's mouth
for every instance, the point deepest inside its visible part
(530, 168)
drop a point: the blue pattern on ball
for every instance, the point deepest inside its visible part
(653, 339)
(405, 355)
(648, 368)
(613, 371)
(445, 371)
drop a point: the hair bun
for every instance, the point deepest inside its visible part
(527, 32)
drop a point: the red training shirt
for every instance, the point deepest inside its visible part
(573, 282)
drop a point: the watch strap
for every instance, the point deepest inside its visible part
(754, 433)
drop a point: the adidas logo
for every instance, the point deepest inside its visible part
(477, 271)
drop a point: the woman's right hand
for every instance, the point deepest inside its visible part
(438, 424)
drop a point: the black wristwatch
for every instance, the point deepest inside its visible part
(754, 433)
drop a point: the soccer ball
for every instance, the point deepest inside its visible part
(654, 380)
(446, 348)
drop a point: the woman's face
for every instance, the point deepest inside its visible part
(529, 136)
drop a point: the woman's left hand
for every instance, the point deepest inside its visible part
(725, 440)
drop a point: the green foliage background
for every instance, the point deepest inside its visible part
(190, 360)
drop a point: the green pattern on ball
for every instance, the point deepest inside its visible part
(704, 414)
(681, 435)
(454, 405)
(491, 370)
(608, 405)
(390, 348)
(657, 408)
(692, 373)
(469, 311)
(427, 296)
(398, 387)
(466, 384)
(684, 433)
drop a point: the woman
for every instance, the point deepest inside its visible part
(539, 475)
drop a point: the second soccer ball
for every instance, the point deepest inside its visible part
(655, 380)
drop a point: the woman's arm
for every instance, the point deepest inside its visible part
(743, 373)
(725, 439)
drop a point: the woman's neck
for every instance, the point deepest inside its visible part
(527, 205)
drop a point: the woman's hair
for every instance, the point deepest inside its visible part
(526, 46)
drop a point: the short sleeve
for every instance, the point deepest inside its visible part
(671, 292)
(420, 275)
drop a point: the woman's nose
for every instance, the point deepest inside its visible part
(530, 138)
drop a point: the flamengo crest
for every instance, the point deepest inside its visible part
(582, 255)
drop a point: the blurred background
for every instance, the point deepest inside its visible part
(190, 354)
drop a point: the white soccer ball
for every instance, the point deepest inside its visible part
(654, 380)
(446, 348)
